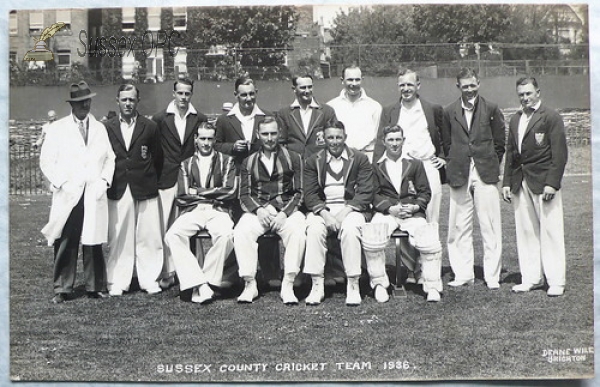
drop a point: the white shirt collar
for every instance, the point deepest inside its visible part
(173, 110)
(363, 94)
(535, 107)
(385, 157)
(77, 120)
(235, 111)
(313, 104)
(471, 101)
(344, 156)
(133, 119)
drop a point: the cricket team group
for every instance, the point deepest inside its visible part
(333, 180)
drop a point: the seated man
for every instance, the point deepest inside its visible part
(270, 194)
(338, 182)
(207, 183)
(401, 198)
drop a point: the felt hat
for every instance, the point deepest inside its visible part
(80, 92)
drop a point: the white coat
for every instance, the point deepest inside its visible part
(71, 166)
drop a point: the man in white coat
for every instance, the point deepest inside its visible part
(79, 162)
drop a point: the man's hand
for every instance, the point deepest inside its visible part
(278, 221)
(407, 210)
(437, 162)
(340, 216)
(240, 146)
(101, 187)
(549, 193)
(506, 195)
(264, 217)
(330, 221)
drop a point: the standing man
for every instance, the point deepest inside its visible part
(359, 113)
(338, 182)
(421, 122)
(78, 161)
(302, 122)
(401, 197)
(473, 140)
(270, 194)
(176, 125)
(535, 162)
(237, 130)
(207, 185)
(134, 232)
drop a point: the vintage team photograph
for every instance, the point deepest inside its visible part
(300, 193)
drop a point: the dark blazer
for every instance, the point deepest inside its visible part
(140, 166)
(292, 130)
(484, 142)
(174, 151)
(414, 188)
(229, 130)
(434, 114)
(543, 152)
(358, 181)
(220, 186)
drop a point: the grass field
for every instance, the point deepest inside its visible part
(473, 333)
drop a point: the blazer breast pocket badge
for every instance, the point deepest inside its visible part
(144, 152)
(539, 138)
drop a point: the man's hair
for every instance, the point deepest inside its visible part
(268, 120)
(243, 81)
(335, 124)
(183, 81)
(528, 80)
(405, 70)
(128, 87)
(305, 75)
(392, 129)
(466, 72)
(206, 125)
(347, 68)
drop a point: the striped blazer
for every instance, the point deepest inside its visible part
(220, 186)
(282, 189)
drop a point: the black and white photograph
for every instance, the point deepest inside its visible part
(299, 193)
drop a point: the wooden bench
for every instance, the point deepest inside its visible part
(397, 235)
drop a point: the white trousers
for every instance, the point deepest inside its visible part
(431, 266)
(540, 237)
(220, 227)
(247, 231)
(483, 199)
(168, 215)
(134, 240)
(316, 244)
(435, 184)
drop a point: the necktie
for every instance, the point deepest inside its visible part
(83, 131)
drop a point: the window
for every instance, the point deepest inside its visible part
(154, 19)
(180, 61)
(65, 17)
(12, 57)
(128, 19)
(63, 58)
(154, 67)
(179, 18)
(13, 23)
(36, 22)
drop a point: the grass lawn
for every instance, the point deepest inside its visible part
(473, 333)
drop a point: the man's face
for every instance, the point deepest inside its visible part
(408, 86)
(81, 108)
(351, 81)
(183, 96)
(393, 144)
(335, 139)
(246, 97)
(127, 101)
(469, 88)
(269, 135)
(304, 90)
(528, 95)
(205, 140)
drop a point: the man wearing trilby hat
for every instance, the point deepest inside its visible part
(78, 160)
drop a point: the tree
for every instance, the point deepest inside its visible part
(368, 36)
